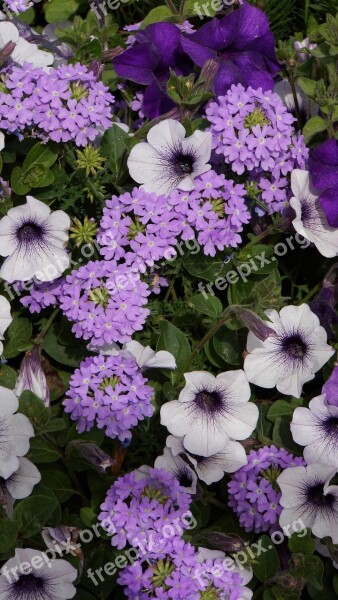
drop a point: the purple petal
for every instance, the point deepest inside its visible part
(329, 204)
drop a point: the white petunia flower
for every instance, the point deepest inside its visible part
(20, 484)
(5, 319)
(28, 576)
(15, 431)
(308, 496)
(169, 160)
(293, 355)
(316, 428)
(210, 411)
(23, 51)
(34, 239)
(179, 468)
(211, 468)
(2, 141)
(145, 357)
(310, 221)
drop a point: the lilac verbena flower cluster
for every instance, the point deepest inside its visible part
(18, 6)
(143, 228)
(41, 295)
(105, 301)
(64, 104)
(253, 492)
(141, 506)
(111, 393)
(180, 573)
(254, 132)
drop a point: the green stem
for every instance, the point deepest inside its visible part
(172, 7)
(306, 13)
(311, 293)
(39, 338)
(295, 98)
(227, 314)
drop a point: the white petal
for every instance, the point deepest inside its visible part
(175, 418)
(167, 133)
(300, 183)
(143, 165)
(240, 420)
(175, 444)
(5, 314)
(205, 437)
(8, 402)
(21, 429)
(8, 33)
(22, 482)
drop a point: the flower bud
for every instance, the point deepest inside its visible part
(31, 377)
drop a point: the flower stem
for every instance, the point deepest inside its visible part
(227, 314)
(311, 293)
(39, 338)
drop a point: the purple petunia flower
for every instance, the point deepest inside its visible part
(239, 48)
(323, 165)
(253, 493)
(156, 50)
(111, 392)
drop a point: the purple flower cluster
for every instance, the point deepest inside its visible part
(105, 301)
(143, 228)
(111, 392)
(18, 6)
(181, 573)
(64, 104)
(254, 132)
(42, 295)
(253, 492)
(142, 506)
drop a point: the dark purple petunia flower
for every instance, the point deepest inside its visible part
(323, 165)
(240, 45)
(148, 62)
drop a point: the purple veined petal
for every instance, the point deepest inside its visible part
(329, 204)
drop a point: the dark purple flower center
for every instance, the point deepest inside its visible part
(209, 402)
(331, 426)
(184, 163)
(306, 212)
(315, 496)
(29, 586)
(184, 477)
(294, 346)
(29, 232)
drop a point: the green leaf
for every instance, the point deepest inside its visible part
(202, 8)
(88, 516)
(173, 340)
(18, 337)
(313, 126)
(210, 306)
(309, 567)
(160, 13)
(60, 344)
(302, 544)
(17, 182)
(205, 267)
(266, 565)
(8, 377)
(230, 345)
(33, 407)
(41, 452)
(307, 85)
(57, 11)
(59, 483)
(113, 146)
(33, 512)
(282, 408)
(43, 154)
(8, 534)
